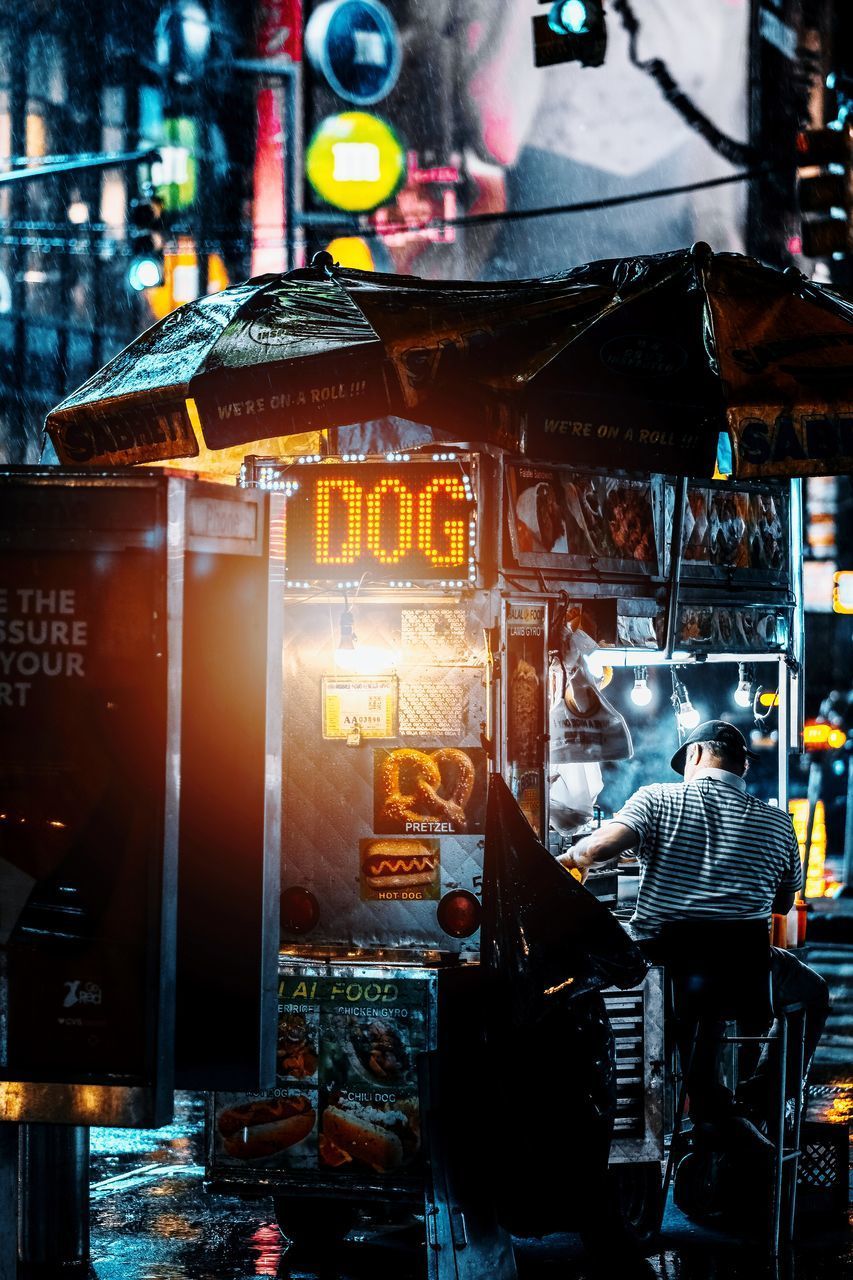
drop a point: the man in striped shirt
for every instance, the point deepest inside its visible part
(708, 850)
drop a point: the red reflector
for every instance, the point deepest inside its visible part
(300, 910)
(459, 913)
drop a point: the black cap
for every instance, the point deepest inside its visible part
(714, 731)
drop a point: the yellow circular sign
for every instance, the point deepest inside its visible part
(351, 251)
(355, 161)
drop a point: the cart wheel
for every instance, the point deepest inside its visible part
(621, 1216)
(691, 1191)
(638, 1191)
(314, 1224)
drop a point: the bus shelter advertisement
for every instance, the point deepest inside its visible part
(82, 740)
(346, 1096)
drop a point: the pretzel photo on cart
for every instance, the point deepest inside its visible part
(419, 790)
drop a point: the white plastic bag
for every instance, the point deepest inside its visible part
(573, 793)
(583, 725)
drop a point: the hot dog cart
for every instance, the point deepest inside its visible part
(422, 594)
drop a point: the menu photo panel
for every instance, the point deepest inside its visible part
(562, 518)
(740, 531)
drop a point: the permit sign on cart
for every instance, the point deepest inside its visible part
(365, 707)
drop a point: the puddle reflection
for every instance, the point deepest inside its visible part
(267, 1245)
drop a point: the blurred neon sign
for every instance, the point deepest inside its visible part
(823, 737)
(799, 811)
(355, 161)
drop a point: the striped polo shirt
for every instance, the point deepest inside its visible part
(709, 849)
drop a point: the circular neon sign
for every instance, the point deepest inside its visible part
(356, 45)
(355, 161)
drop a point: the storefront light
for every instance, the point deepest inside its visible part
(144, 273)
(819, 736)
(78, 212)
(182, 40)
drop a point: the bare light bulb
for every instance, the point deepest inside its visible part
(641, 694)
(743, 692)
(347, 643)
(688, 716)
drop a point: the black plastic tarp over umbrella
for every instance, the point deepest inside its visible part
(637, 360)
(548, 949)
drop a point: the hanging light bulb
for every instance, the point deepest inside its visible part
(743, 692)
(596, 664)
(641, 694)
(347, 643)
(361, 659)
(688, 716)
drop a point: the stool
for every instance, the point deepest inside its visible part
(719, 971)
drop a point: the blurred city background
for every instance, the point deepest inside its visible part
(155, 151)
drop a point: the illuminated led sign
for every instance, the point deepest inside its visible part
(400, 523)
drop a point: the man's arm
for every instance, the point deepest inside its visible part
(791, 881)
(783, 902)
(605, 843)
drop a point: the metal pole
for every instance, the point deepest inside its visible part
(675, 563)
(847, 874)
(17, 212)
(53, 1226)
(288, 87)
(204, 179)
(91, 164)
(798, 636)
(8, 1200)
(814, 793)
(285, 73)
(783, 685)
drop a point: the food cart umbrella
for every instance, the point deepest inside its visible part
(640, 361)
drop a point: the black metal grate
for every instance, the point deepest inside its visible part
(822, 1170)
(625, 1010)
(818, 1165)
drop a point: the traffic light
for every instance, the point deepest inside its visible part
(824, 197)
(573, 31)
(146, 233)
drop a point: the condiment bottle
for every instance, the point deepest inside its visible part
(802, 920)
(779, 931)
(791, 929)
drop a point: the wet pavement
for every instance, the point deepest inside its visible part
(152, 1220)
